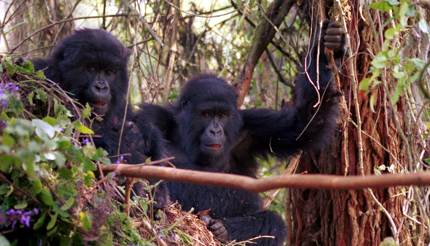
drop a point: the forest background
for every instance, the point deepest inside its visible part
(384, 80)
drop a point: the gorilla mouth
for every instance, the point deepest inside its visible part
(100, 107)
(215, 147)
(100, 104)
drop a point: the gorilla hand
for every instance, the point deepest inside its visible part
(334, 38)
(216, 227)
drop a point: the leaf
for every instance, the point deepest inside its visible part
(86, 112)
(7, 162)
(60, 159)
(21, 205)
(380, 61)
(36, 186)
(49, 156)
(4, 189)
(52, 222)
(4, 241)
(373, 99)
(423, 25)
(39, 222)
(85, 220)
(89, 150)
(43, 128)
(46, 197)
(68, 204)
(365, 84)
(381, 5)
(82, 128)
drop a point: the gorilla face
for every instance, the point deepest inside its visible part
(94, 85)
(213, 138)
(208, 121)
(91, 64)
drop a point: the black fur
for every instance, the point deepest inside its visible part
(192, 130)
(91, 56)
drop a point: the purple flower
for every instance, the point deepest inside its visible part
(120, 159)
(7, 89)
(85, 141)
(23, 216)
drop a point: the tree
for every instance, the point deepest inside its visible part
(381, 130)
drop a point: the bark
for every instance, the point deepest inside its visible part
(365, 140)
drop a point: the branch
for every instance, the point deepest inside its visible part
(302, 181)
(263, 35)
(64, 21)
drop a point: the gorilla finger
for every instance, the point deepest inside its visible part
(331, 38)
(325, 24)
(331, 45)
(335, 31)
(334, 24)
(217, 226)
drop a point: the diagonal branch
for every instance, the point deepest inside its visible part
(263, 35)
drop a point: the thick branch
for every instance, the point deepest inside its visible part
(263, 35)
(310, 181)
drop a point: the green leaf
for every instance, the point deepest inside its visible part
(39, 222)
(43, 128)
(40, 74)
(381, 5)
(50, 120)
(68, 204)
(46, 197)
(365, 84)
(36, 186)
(21, 205)
(85, 220)
(86, 112)
(82, 128)
(89, 150)
(380, 61)
(60, 159)
(7, 162)
(4, 189)
(41, 95)
(8, 140)
(4, 241)
(52, 221)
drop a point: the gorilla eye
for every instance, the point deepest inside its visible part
(205, 114)
(110, 72)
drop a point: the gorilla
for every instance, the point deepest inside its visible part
(204, 130)
(91, 65)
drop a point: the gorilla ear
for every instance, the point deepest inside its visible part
(126, 52)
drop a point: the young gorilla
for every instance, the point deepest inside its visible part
(206, 131)
(91, 65)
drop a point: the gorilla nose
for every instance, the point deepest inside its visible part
(101, 88)
(216, 131)
(101, 85)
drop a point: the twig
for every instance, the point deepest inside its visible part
(303, 181)
(63, 21)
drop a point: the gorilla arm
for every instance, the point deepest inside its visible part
(303, 124)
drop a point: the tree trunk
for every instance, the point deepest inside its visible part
(381, 134)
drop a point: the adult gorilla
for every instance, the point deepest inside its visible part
(91, 65)
(206, 131)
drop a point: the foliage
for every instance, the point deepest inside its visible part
(48, 188)
(405, 69)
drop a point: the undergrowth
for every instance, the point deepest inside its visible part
(50, 190)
